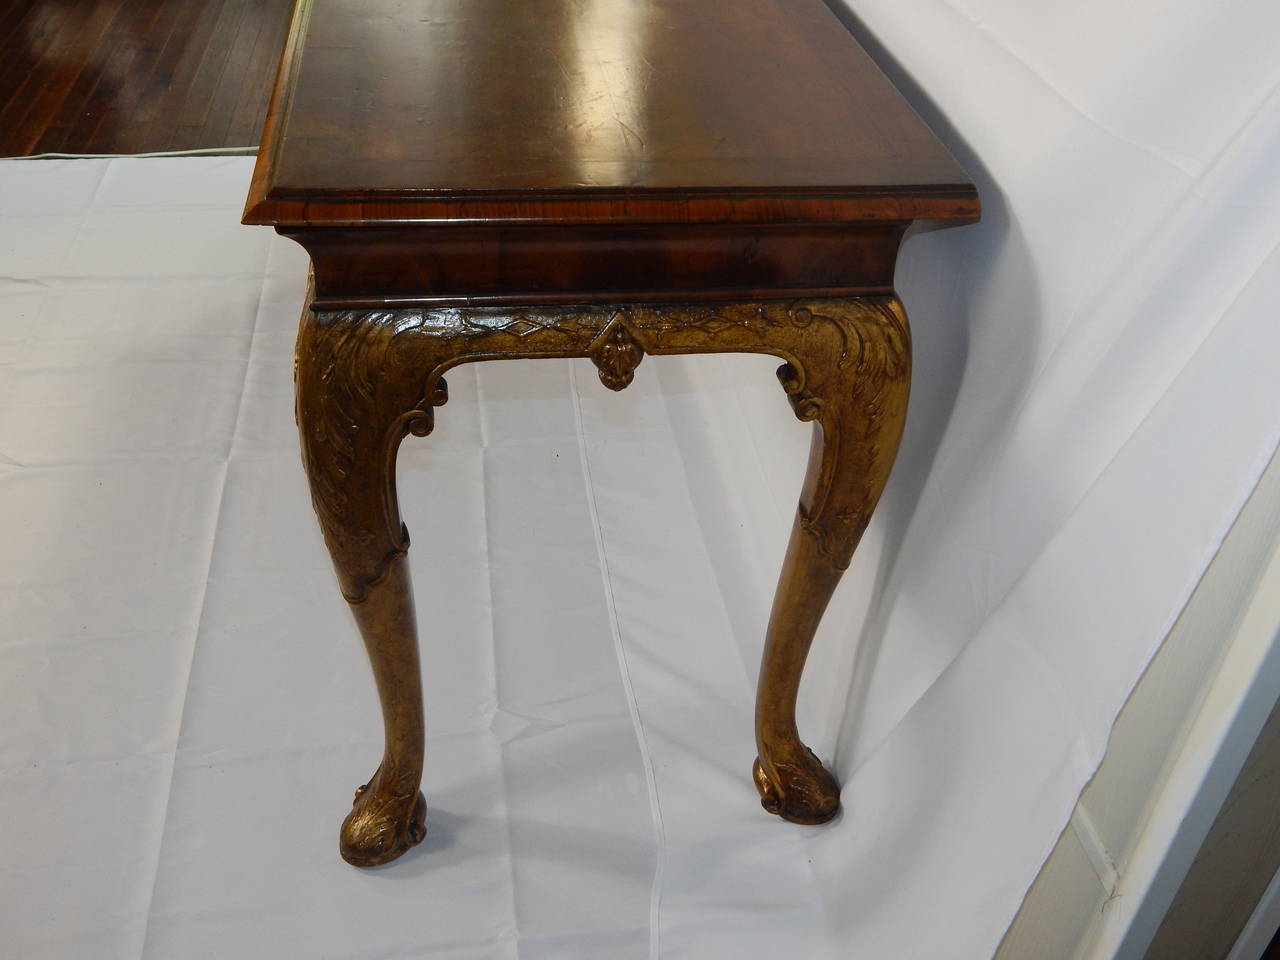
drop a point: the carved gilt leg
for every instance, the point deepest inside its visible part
(854, 388)
(355, 404)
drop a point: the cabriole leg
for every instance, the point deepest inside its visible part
(353, 408)
(858, 398)
(389, 813)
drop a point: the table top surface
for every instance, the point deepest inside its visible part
(591, 110)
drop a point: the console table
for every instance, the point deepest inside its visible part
(487, 179)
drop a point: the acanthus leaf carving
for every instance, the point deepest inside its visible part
(861, 407)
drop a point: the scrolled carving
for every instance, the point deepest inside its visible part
(848, 367)
(806, 406)
(368, 378)
(858, 395)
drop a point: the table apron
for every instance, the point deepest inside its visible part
(370, 266)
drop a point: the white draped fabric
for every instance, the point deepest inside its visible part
(184, 704)
(1095, 395)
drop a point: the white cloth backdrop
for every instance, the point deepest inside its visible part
(184, 707)
(1095, 394)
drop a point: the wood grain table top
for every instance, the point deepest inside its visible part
(591, 111)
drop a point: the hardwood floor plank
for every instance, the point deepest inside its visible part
(179, 66)
(26, 66)
(118, 54)
(226, 93)
(134, 76)
(74, 59)
(251, 108)
(195, 110)
(114, 133)
(76, 101)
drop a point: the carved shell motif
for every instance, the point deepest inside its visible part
(616, 355)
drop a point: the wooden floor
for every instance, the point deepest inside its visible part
(136, 76)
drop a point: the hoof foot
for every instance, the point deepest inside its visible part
(382, 826)
(801, 791)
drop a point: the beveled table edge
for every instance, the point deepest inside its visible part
(268, 204)
(957, 202)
